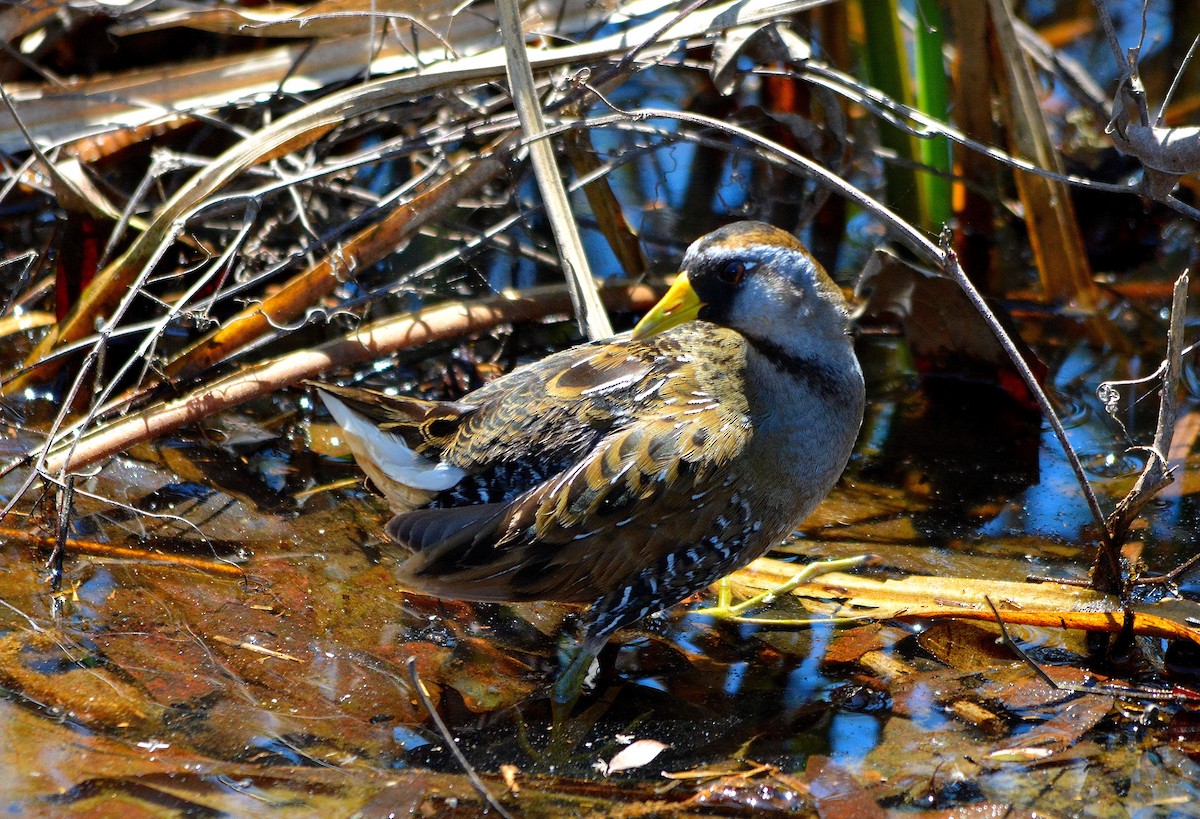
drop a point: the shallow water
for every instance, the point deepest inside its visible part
(284, 680)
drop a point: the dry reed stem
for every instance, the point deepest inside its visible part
(610, 218)
(1156, 474)
(1049, 215)
(589, 311)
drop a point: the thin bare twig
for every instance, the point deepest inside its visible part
(66, 505)
(366, 247)
(1187, 59)
(1172, 694)
(476, 782)
(1012, 644)
(1110, 33)
(924, 126)
(1131, 81)
(123, 553)
(951, 267)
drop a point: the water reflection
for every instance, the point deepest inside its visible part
(851, 738)
(806, 682)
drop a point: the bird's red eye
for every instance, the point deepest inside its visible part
(734, 272)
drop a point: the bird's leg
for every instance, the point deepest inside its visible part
(810, 571)
(568, 730)
(724, 593)
(613, 611)
(571, 679)
(645, 592)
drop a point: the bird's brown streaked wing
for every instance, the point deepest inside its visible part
(561, 405)
(606, 370)
(642, 493)
(565, 404)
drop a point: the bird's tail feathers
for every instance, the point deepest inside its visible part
(408, 479)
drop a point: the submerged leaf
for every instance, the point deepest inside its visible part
(51, 670)
(635, 755)
(1058, 734)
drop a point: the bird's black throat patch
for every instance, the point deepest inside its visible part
(820, 377)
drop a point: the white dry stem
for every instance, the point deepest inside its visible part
(589, 311)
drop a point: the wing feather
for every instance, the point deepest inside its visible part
(574, 533)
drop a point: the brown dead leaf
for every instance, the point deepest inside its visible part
(966, 646)
(837, 794)
(850, 644)
(867, 512)
(169, 663)
(925, 694)
(51, 670)
(1019, 688)
(487, 678)
(78, 757)
(1056, 735)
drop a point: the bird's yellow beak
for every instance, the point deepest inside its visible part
(680, 304)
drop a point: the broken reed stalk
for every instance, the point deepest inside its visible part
(372, 341)
(1157, 473)
(610, 217)
(589, 311)
(923, 597)
(1049, 215)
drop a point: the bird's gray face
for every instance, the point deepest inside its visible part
(753, 278)
(760, 281)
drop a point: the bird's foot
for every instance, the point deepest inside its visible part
(727, 610)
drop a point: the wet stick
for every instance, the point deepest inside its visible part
(440, 724)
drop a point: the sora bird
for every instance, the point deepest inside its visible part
(629, 473)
